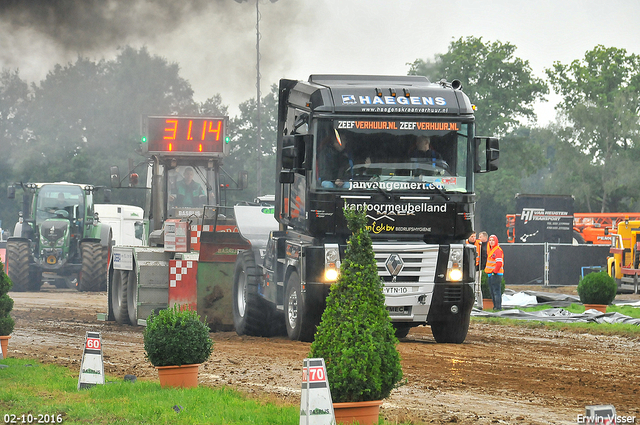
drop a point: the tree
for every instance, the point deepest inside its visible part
(504, 90)
(14, 98)
(501, 85)
(601, 101)
(244, 150)
(85, 116)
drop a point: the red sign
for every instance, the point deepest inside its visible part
(93, 343)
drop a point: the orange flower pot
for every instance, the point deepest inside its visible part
(185, 376)
(4, 343)
(602, 308)
(360, 412)
(487, 304)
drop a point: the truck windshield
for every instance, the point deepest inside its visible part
(393, 155)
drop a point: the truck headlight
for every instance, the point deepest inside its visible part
(331, 262)
(454, 265)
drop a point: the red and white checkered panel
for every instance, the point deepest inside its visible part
(196, 231)
(180, 270)
(183, 283)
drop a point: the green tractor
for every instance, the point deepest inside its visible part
(58, 235)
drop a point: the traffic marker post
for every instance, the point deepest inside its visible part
(92, 366)
(316, 406)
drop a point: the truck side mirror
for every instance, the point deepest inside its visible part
(487, 154)
(11, 192)
(115, 176)
(286, 176)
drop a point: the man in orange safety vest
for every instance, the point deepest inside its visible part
(495, 270)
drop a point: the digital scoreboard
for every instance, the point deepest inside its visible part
(185, 135)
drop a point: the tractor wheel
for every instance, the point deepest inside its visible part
(18, 264)
(119, 295)
(93, 271)
(577, 238)
(132, 295)
(300, 321)
(452, 331)
(249, 312)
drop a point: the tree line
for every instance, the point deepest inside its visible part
(86, 116)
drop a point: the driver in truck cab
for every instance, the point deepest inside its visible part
(335, 162)
(188, 192)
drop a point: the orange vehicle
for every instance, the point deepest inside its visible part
(589, 228)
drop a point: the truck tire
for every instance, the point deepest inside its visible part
(107, 244)
(18, 264)
(94, 271)
(249, 312)
(132, 296)
(119, 295)
(577, 238)
(453, 331)
(401, 331)
(301, 323)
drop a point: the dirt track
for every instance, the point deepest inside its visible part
(499, 375)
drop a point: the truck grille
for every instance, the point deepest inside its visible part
(418, 261)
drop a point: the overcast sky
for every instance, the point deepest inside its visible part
(214, 41)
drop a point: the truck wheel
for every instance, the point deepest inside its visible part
(132, 295)
(106, 257)
(119, 296)
(453, 331)
(249, 313)
(18, 264)
(401, 330)
(301, 323)
(93, 272)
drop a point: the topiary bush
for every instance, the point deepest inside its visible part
(6, 303)
(355, 336)
(484, 286)
(597, 288)
(176, 337)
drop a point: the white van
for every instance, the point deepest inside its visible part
(127, 222)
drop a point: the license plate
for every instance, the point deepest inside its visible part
(396, 290)
(399, 311)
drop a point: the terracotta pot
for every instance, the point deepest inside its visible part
(4, 342)
(602, 308)
(361, 412)
(487, 304)
(185, 376)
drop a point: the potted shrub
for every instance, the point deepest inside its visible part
(176, 342)
(487, 302)
(355, 336)
(597, 291)
(6, 305)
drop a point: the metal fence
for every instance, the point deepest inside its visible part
(551, 264)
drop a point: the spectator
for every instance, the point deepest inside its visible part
(483, 238)
(495, 270)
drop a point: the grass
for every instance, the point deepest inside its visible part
(622, 329)
(49, 394)
(52, 390)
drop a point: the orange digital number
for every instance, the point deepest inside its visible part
(189, 137)
(170, 131)
(210, 129)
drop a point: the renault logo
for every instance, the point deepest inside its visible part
(394, 264)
